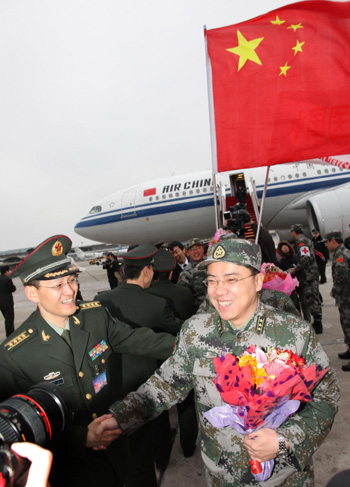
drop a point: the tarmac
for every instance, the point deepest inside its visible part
(334, 454)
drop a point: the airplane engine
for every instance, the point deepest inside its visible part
(330, 211)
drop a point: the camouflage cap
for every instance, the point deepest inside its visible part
(234, 251)
(140, 256)
(164, 261)
(334, 234)
(297, 228)
(47, 261)
(193, 241)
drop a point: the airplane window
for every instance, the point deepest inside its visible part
(283, 177)
(157, 198)
(184, 193)
(275, 178)
(268, 180)
(318, 171)
(211, 188)
(341, 168)
(191, 192)
(163, 196)
(296, 175)
(290, 176)
(333, 169)
(170, 195)
(197, 191)
(204, 190)
(95, 209)
(177, 195)
(326, 171)
(150, 198)
(304, 174)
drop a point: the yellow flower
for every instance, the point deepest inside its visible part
(258, 375)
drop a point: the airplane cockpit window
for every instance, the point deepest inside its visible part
(95, 209)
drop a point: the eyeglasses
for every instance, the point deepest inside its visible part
(61, 286)
(212, 283)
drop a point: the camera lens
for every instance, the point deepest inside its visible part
(38, 416)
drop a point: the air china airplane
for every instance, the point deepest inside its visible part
(313, 193)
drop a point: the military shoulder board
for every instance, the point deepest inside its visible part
(19, 339)
(260, 324)
(89, 305)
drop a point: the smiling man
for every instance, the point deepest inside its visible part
(238, 321)
(70, 345)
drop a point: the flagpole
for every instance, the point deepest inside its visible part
(262, 205)
(211, 125)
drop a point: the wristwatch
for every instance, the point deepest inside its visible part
(282, 449)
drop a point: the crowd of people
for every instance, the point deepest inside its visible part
(149, 342)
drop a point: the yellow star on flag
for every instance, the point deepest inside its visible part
(246, 50)
(284, 69)
(296, 26)
(298, 47)
(277, 21)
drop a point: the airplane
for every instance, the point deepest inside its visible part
(312, 193)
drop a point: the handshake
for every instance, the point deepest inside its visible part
(102, 431)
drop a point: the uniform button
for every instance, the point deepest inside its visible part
(30, 330)
(103, 361)
(88, 396)
(81, 374)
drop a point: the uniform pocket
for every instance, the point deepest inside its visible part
(204, 373)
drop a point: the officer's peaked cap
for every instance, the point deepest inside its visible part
(47, 261)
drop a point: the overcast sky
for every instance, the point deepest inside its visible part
(98, 95)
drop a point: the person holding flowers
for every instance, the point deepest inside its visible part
(255, 361)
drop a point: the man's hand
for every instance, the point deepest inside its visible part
(102, 431)
(41, 463)
(291, 271)
(262, 445)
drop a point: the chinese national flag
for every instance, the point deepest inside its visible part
(281, 85)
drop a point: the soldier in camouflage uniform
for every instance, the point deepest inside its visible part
(191, 276)
(306, 271)
(238, 321)
(341, 286)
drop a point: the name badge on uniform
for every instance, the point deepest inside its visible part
(98, 350)
(100, 382)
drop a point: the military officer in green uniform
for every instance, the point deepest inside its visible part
(70, 345)
(341, 287)
(239, 320)
(179, 298)
(132, 304)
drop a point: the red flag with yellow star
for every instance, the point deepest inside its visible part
(281, 85)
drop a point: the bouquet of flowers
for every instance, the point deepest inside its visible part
(278, 280)
(261, 389)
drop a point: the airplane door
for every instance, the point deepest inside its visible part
(128, 204)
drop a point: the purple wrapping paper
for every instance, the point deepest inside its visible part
(228, 416)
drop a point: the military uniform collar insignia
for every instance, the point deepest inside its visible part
(44, 336)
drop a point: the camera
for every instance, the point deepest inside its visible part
(236, 217)
(39, 416)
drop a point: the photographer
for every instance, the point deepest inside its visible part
(41, 460)
(113, 267)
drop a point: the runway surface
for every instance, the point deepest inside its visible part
(331, 458)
